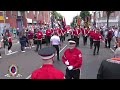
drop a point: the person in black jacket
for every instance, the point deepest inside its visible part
(22, 39)
(110, 68)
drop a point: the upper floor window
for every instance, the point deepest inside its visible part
(19, 13)
(34, 12)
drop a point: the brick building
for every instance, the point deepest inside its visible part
(19, 19)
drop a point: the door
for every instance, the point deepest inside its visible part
(19, 25)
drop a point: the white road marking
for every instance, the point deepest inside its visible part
(61, 49)
(16, 43)
(110, 48)
(55, 55)
(12, 53)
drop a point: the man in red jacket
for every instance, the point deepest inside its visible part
(72, 58)
(91, 35)
(76, 36)
(47, 70)
(30, 38)
(48, 36)
(96, 38)
(39, 39)
(85, 35)
(109, 37)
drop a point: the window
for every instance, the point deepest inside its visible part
(11, 13)
(28, 11)
(34, 12)
(19, 13)
(38, 12)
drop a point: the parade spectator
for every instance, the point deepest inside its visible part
(47, 70)
(109, 69)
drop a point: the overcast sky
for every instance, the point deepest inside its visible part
(69, 15)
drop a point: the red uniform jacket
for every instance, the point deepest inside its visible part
(48, 32)
(71, 32)
(39, 35)
(63, 31)
(97, 36)
(76, 32)
(91, 33)
(60, 32)
(74, 57)
(84, 31)
(47, 71)
(110, 32)
(30, 35)
(9, 38)
(52, 31)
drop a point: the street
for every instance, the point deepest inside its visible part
(30, 60)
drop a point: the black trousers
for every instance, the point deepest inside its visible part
(39, 44)
(57, 49)
(96, 45)
(64, 37)
(91, 42)
(75, 74)
(10, 45)
(61, 38)
(72, 36)
(109, 42)
(77, 41)
(106, 43)
(23, 44)
(85, 40)
(48, 39)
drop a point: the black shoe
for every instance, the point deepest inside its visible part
(97, 53)
(58, 59)
(93, 53)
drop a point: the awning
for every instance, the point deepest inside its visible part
(29, 20)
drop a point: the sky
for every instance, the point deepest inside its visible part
(69, 15)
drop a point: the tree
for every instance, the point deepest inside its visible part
(108, 13)
(84, 14)
(74, 21)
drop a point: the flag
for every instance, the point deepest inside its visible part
(64, 22)
(78, 20)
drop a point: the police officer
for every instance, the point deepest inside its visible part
(72, 58)
(47, 70)
(96, 39)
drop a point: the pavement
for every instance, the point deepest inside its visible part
(30, 60)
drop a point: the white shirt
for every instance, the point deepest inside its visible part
(116, 33)
(55, 40)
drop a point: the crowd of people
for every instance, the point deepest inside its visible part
(55, 38)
